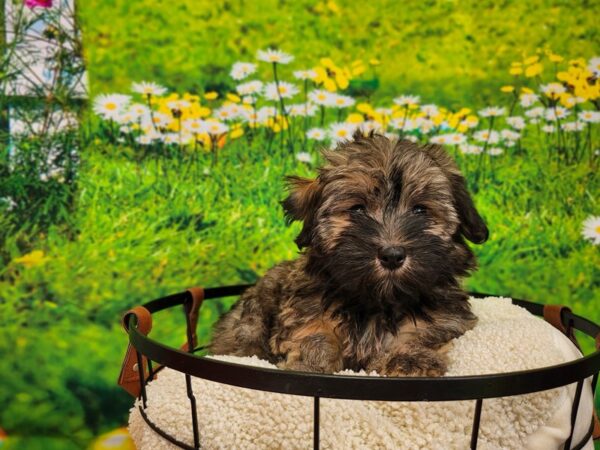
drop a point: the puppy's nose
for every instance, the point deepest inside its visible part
(391, 257)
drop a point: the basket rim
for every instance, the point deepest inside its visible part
(359, 387)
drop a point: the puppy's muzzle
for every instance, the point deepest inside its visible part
(391, 257)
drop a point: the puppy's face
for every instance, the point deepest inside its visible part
(385, 220)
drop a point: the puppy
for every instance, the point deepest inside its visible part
(377, 285)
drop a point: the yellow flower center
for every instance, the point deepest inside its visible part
(321, 97)
(110, 106)
(342, 133)
(282, 90)
(597, 229)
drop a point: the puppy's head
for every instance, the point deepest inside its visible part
(385, 220)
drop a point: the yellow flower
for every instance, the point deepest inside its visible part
(364, 108)
(507, 89)
(32, 259)
(555, 58)
(567, 100)
(354, 118)
(533, 70)
(233, 98)
(531, 60)
(515, 71)
(211, 95)
(236, 133)
(516, 64)
(333, 7)
(526, 90)
(374, 62)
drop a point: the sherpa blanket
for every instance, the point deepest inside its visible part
(506, 338)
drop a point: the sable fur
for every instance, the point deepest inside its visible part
(336, 306)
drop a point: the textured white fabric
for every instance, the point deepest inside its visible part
(506, 338)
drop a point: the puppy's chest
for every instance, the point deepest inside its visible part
(375, 338)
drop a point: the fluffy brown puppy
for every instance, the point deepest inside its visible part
(377, 286)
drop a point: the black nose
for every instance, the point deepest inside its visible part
(391, 257)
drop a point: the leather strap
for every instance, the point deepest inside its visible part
(554, 316)
(191, 310)
(129, 378)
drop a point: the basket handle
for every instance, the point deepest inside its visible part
(553, 314)
(129, 378)
(191, 312)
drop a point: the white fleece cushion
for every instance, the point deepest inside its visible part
(506, 338)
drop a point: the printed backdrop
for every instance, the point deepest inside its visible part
(169, 172)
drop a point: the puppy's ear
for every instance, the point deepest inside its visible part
(301, 204)
(472, 225)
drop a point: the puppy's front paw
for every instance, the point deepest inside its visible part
(416, 364)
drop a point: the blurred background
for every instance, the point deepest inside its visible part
(144, 146)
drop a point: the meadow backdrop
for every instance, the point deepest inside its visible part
(177, 181)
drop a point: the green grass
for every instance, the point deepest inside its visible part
(450, 52)
(135, 236)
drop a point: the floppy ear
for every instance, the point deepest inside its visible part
(472, 225)
(301, 204)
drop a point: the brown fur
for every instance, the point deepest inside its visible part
(337, 306)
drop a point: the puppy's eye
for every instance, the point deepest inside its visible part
(419, 209)
(359, 207)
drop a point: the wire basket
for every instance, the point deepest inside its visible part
(146, 357)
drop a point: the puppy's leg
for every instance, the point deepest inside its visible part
(424, 353)
(312, 347)
(243, 330)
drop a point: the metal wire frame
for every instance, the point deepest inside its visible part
(319, 386)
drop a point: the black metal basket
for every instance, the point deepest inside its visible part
(150, 356)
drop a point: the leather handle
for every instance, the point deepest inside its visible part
(191, 309)
(129, 378)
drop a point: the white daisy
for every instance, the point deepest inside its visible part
(535, 113)
(517, 122)
(301, 110)
(457, 139)
(144, 139)
(341, 131)
(470, 122)
(590, 116)
(470, 149)
(405, 100)
(229, 111)
(556, 113)
(148, 88)
(274, 56)
(110, 106)
(495, 151)
(265, 113)
(316, 134)
(241, 70)
(594, 66)
(321, 97)
(548, 128)
(384, 111)
(304, 157)
(491, 137)
(510, 135)
(492, 111)
(215, 128)
(193, 126)
(368, 126)
(250, 88)
(528, 99)
(591, 229)
(430, 110)
(573, 126)
(178, 105)
(176, 138)
(342, 101)
(305, 74)
(442, 139)
(553, 90)
(138, 110)
(423, 125)
(286, 90)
